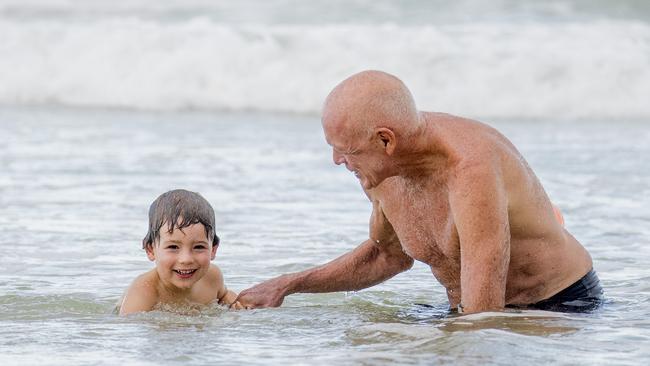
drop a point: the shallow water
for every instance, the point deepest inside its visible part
(75, 186)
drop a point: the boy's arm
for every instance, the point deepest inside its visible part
(140, 296)
(225, 296)
(230, 299)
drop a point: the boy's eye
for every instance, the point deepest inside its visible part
(172, 247)
(200, 247)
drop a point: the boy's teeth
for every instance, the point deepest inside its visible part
(185, 271)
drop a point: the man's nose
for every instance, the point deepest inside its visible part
(338, 157)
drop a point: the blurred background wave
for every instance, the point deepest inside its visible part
(556, 59)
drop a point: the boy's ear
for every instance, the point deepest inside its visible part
(150, 254)
(214, 250)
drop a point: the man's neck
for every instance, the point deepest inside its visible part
(424, 152)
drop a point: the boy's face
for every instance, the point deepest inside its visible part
(183, 257)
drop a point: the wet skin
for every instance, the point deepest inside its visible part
(183, 274)
(447, 191)
(487, 227)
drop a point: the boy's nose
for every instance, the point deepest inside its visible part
(185, 256)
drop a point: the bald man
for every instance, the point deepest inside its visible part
(447, 191)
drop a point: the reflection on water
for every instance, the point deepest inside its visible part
(529, 322)
(75, 187)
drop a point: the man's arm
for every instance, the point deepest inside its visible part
(372, 262)
(479, 204)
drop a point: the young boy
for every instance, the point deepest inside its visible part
(182, 242)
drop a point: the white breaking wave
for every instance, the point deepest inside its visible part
(595, 69)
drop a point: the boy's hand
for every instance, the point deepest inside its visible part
(236, 306)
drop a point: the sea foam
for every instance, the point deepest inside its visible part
(591, 69)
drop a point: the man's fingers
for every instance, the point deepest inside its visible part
(238, 300)
(242, 303)
(238, 296)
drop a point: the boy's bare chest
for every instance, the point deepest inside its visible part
(422, 220)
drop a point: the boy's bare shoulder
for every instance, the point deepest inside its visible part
(147, 282)
(215, 281)
(142, 294)
(214, 275)
(223, 295)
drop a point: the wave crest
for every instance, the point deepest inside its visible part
(572, 70)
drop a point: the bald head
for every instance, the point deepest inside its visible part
(368, 100)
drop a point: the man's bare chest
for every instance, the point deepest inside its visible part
(423, 223)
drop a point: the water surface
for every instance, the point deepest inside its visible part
(75, 186)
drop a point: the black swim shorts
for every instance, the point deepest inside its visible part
(584, 295)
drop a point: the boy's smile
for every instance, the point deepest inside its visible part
(185, 273)
(182, 242)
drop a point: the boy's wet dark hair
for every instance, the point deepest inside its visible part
(179, 209)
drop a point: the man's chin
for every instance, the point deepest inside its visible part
(370, 184)
(366, 184)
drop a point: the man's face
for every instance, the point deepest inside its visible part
(358, 155)
(183, 257)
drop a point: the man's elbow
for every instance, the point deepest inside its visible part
(398, 263)
(406, 263)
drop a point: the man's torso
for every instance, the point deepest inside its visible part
(544, 258)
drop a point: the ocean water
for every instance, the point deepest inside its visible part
(76, 185)
(500, 59)
(105, 105)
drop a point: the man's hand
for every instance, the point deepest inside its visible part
(270, 293)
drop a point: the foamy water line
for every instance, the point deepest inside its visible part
(590, 69)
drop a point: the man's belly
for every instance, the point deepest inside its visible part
(540, 268)
(537, 269)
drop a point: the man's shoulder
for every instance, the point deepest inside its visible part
(480, 161)
(469, 138)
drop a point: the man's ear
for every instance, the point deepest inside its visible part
(150, 253)
(387, 139)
